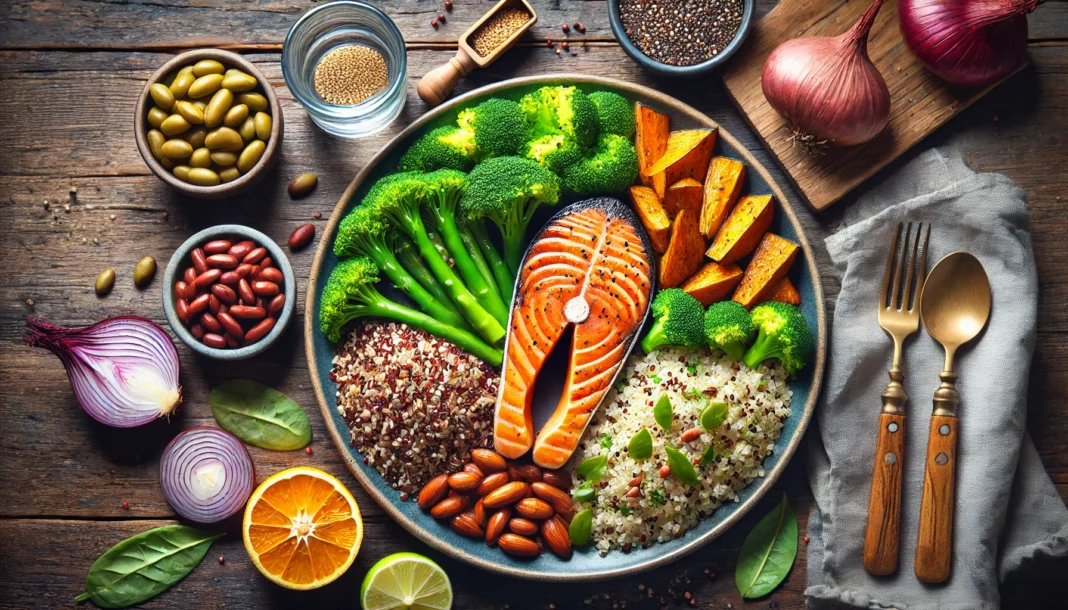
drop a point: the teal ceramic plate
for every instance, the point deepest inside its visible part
(585, 564)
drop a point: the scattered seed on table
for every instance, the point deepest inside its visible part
(566, 28)
(497, 29)
(30, 302)
(349, 75)
(448, 6)
(564, 44)
(681, 32)
(125, 505)
(434, 22)
(441, 17)
(222, 560)
(318, 214)
(308, 450)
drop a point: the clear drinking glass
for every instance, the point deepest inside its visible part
(339, 24)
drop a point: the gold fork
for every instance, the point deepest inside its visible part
(899, 316)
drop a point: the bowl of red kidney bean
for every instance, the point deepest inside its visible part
(230, 292)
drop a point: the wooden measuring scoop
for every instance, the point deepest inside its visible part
(437, 84)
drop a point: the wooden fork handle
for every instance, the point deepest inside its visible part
(884, 504)
(934, 546)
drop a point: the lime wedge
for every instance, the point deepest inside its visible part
(404, 581)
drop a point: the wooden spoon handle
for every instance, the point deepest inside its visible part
(437, 84)
(934, 545)
(884, 505)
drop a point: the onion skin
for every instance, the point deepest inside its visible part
(827, 87)
(193, 448)
(974, 43)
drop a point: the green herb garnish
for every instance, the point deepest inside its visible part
(708, 455)
(624, 510)
(580, 528)
(691, 369)
(656, 379)
(680, 466)
(585, 493)
(714, 415)
(768, 552)
(260, 415)
(663, 413)
(657, 497)
(606, 441)
(641, 445)
(592, 469)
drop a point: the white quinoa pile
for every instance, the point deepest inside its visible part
(416, 404)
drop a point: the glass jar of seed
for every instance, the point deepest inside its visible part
(345, 62)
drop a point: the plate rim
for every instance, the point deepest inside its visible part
(417, 530)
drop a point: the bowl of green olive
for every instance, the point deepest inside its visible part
(209, 123)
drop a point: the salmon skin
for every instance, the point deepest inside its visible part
(590, 267)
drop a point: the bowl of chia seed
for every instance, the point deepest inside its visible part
(680, 37)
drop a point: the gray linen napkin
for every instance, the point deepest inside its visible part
(1007, 509)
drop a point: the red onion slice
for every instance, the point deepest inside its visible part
(206, 474)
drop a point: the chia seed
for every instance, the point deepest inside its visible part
(681, 32)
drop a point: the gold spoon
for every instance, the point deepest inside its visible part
(954, 308)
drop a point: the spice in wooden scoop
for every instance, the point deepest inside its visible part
(349, 75)
(497, 29)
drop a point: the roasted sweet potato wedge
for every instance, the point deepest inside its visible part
(685, 193)
(684, 253)
(786, 292)
(651, 140)
(772, 260)
(713, 282)
(687, 156)
(723, 183)
(654, 219)
(745, 226)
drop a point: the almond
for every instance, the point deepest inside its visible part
(691, 434)
(506, 494)
(514, 544)
(636, 481)
(449, 507)
(554, 533)
(470, 467)
(464, 482)
(488, 460)
(560, 480)
(557, 498)
(523, 527)
(534, 508)
(434, 491)
(465, 524)
(497, 522)
(491, 482)
(525, 472)
(634, 492)
(480, 513)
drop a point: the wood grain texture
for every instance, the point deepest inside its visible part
(934, 540)
(883, 535)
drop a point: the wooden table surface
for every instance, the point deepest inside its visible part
(70, 73)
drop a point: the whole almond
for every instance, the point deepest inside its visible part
(434, 491)
(560, 480)
(497, 522)
(464, 482)
(465, 524)
(534, 508)
(523, 527)
(557, 498)
(525, 472)
(554, 533)
(479, 511)
(491, 482)
(517, 545)
(488, 460)
(634, 492)
(471, 467)
(449, 507)
(506, 494)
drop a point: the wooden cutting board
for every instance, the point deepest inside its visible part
(920, 101)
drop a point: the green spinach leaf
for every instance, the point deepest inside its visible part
(143, 566)
(260, 416)
(663, 413)
(680, 466)
(592, 469)
(768, 552)
(714, 415)
(640, 446)
(708, 455)
(580, 528)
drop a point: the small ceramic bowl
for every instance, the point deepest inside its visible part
(181, 259)
(679, 71)
(226, 189)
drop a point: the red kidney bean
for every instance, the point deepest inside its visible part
(182, 309)
(265, 288)
(245, 270)
(199, 305)
(276, 305)
(232, 326)
(224, 293)
(258, 331)
(229, 278)
(206, 279)
(241, 248)
(301, 236)
(222, 261)
(270, 274)
(189, 275)
(199, 262)
(219, 246)
(232, 342)
(213, 340)
(214, 304)
(211, 323)
(246, 312)
(245, 292)
(255, 256)
(197, 331)
(267, 262)
(179, 289)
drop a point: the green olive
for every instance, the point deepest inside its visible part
(231, 72)
(174, 125)
(156, 139)
(201, 104)
(247, 130)
(224, 138)
(217, 108)
(201, 157)
(302, 185)
(195, 137)
(144, 271)
(250, 156)
(223, 158)
(180, 85)
(191, 113)
(104, 282)
(166, 163)
(229, 174)
(202, 176)
(239, 83)
(176, 149)
(156, 116)
(254, 101)
(205, 67)
(162, 96)
(263, 126)
(182, 171)
(205, 85)
(235, 116)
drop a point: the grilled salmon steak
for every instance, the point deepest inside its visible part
(589, 267)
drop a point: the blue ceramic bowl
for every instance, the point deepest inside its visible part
(181, 259)
(585, 564)
(679, 71)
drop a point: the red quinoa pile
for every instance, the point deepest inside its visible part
(416, 404)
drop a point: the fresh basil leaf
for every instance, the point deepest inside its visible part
(663, 413)
(260, 416)
(592, 469)
(585, 493)
(606, 441)
(708, 455)
(680, 466)
(640, 446)
(143, 566)
(714, 415)
(768, 552)
(580, 528)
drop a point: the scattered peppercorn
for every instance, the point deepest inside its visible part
(805, 539)
(448, 6)
(308, 450)
(318, 215)
(30, 302)
(581, 28)
(222, 560)
(125, 505)
(434, 22)
(564, 44)
(441, 17)
(566, 28)
(548, 43)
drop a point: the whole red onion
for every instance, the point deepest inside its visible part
(967, 42)
(828, 88)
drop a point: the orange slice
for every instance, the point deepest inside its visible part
(302, 528)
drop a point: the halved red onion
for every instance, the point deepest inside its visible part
(206, 474)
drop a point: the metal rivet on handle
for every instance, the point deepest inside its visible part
(890, 458)
(892, 426)
(944, 429)
(941, 459)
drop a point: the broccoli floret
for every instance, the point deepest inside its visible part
(565, 110)
(447, 147)
(555, 151)
(676, 321)
(614, 113)
(728, 327)
(507, 190)
(500, 127)
(609, 168)
(350, 293)
(782, 334)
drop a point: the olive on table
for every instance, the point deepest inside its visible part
(235, 116)
(254, 101)
(201, 157)
(224, 138)
(208, 66)
(202, 176)
(263, 126)
(224, 158)
(217, 108)
(251, 155)
(229, 174)
(174, 125)
(190, 112)
(144, 271)
(303, 184)
(156, 116)
(105, 281)
(205, 85)
(176, 149)
(180, 85)
(196, 137)
(162, 96)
